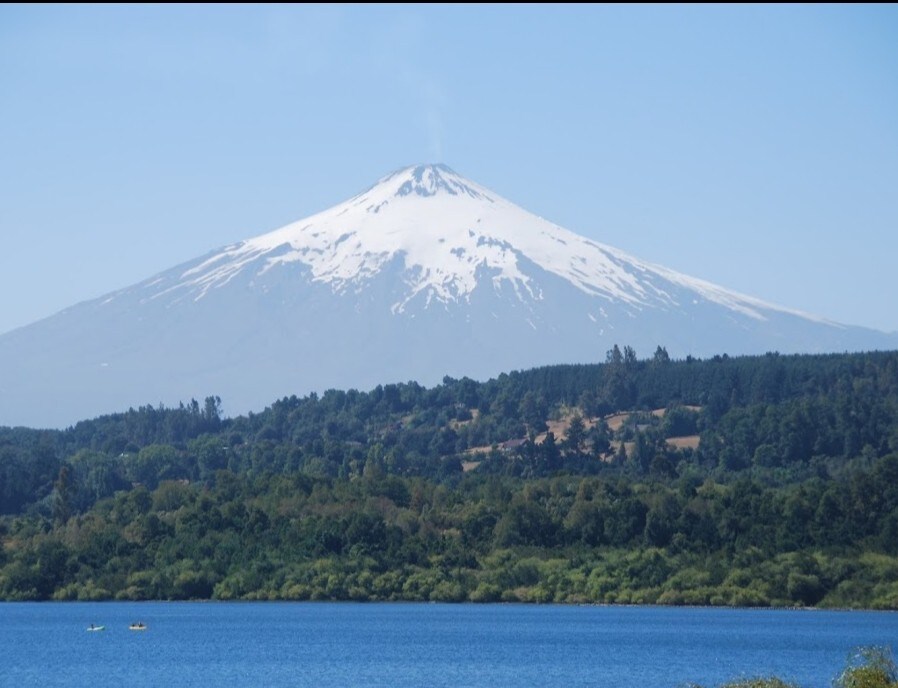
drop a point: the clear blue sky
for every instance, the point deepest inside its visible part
(755, 147)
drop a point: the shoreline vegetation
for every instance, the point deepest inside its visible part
(766, 481)
(867, 667)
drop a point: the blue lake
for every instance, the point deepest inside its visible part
(395, 645)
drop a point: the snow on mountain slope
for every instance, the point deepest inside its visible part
(446, 228)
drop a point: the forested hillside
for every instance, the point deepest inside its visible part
(768, 480)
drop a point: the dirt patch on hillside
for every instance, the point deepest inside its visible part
(690, 442)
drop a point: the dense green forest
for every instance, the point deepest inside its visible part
(766, 480)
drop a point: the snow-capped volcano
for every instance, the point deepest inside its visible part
(424, 274)
(447, 230)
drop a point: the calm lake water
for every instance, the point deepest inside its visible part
(396, 645)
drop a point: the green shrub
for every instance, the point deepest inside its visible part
(869, 667)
